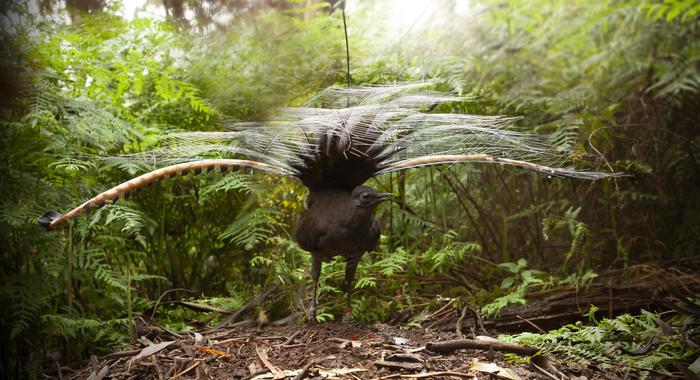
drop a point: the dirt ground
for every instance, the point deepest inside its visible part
(319, 351)
(384, 351)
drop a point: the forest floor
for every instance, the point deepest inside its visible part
(322, 351)
(335, 350)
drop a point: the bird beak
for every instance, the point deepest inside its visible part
(385, 197)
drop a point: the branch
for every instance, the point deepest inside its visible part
(453, 345)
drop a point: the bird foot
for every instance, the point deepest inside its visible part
(312, 313)
(311, 319)
(347, 316)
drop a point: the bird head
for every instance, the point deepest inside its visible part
(367, 197)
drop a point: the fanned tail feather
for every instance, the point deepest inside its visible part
(344, 136)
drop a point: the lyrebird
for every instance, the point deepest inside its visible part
(333, 149)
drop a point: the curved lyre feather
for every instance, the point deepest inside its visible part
(446, 159)
(51, 219)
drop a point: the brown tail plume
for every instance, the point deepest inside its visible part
(52, 219)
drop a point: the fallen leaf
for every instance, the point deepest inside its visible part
(100, 375)
(199, 340)
(695, 367)
(399, 340)
(152, 349)
(210, 351)
(494, 369)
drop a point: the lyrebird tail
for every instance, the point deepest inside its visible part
(51, 219)
(345, 136)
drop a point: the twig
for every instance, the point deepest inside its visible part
(417, 349)
(202, 308)
(458, 325)
(58, 369)
(262, 354)
(452, 345)
(255, 301)
(254, 374)
(294, 345)
(304, 370)
(188, 369)
(339, 340)
(286, 320)
(427, 375)
(310, 364)
(311, 337)
(440, 310)
(153, 314)
(544, 372)
(395, 365)
(642, 350)
(159, 371)
(479, 321)
(291, 338)
(162, 328)
(404, 358)
(531, 324)
(439, 321)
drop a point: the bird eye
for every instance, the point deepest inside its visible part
(364, 196)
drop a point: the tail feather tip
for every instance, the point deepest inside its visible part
(47, 218)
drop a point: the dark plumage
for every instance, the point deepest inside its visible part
(339, 223)
(350, 136)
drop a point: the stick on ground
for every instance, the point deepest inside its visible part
(452, 345)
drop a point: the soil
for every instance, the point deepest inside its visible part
(385, 351)
(319, 351)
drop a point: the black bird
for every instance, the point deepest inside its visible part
(339, 223)
(344, 138)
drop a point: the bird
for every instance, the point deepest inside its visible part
(333, 145)
(338, 222)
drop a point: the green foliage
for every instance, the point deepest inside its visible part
(520, 280)
(450, 253)
(625, 344)
(253, 226)
(616, 83)
(670, 10)
(232, 182)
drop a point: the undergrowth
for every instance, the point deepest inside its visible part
(641, 345)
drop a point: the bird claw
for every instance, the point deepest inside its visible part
(312, 318)
(347, 316)
(312, 312)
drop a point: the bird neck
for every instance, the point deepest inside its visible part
(338, 205)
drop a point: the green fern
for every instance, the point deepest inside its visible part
(252, 226)
(611, 344)
(230, 182)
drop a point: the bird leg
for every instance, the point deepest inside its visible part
(315, 274)
(350, 269)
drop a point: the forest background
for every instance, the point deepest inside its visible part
(617, 82)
